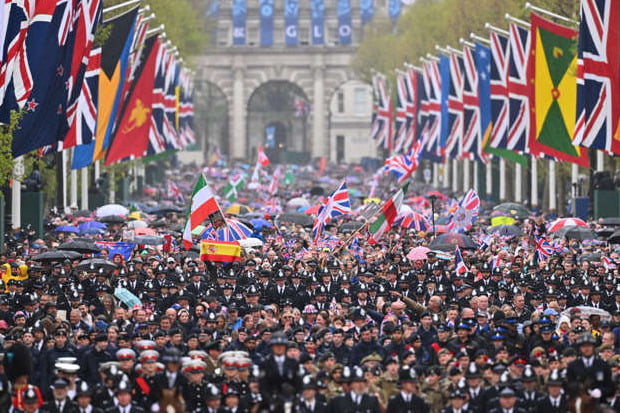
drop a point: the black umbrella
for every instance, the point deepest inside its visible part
(449, 241)
(611, 221)
(605, 232)
(614, 238)
(112, 219)
(590, 257)
(295, 218)
(317, 191)
(167, 209)
(149, 240)
(83, 247)
(575, 232)
(57, 255)
(351, 226)
(513, 209)
(506, 230)
(82, 213)
(94, 264)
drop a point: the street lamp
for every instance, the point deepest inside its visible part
(433, 198)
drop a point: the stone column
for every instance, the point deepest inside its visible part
(238, 147)
(320, 140)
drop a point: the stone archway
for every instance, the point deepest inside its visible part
(277, 119)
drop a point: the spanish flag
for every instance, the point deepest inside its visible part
(220, 251)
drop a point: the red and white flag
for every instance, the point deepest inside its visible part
(262, 158)
(204, 207)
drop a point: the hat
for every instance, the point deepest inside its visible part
(149, 356)
(507, 392)
(213, 392)
(308, 382)
(59, 384)
(370, 358)
(458, 395)
(124, 386)
(31, 394)
(125, 354)
(357, 374)
(194, 366)
(555, 378)
(68, 368)
(528, 374)
(585, 338)
(473, 372)
(278, 338)
(407, 374)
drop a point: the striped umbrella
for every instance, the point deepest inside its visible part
(413, 220)
(234, 231)
(558, 224)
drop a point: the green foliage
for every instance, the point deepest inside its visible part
(440, 22)
(6, 142)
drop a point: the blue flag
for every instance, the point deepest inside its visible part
(367, 11)
(444, 72)
(394, 7)
(291, 21)
(344, 22)
(266, 22)
(123, 248)
(239, 12)
(483, 65)
(213, 8)
(317, 11)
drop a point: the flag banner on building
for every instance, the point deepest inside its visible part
(367, 11)
(432, 86)
(157, 141)
(497, 143)
(455, 108)
(466, 212)
(203, 207)
(40, 87)
(598, 88)
(337, 203)
(555, 92)
(386, 216)
(519, 89)
(317, 23)
(239, 12)
(213, 8)
(394, 9)
(220, 251)
(291, 22)
(171, 70)
(402, 101)
(131, 137)
(444, 127)
(345, 28)
(266, 22)
(472, 135)
(383, 113)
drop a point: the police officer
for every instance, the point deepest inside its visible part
(280, 375)
(356, 400)
(406, 401)
(588, 372)
(555, 401)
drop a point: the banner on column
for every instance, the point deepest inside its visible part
(266, 22)
(344, 22)
(291, 19)
(213, 8)
(317, 10)
(394, 7)
(367, 10)
(238, 17)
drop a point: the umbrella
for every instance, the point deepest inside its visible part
(86, 226)
(351, 226)
(127, 297)
(604, 232)
(418, 253)
(512, 209)
(614, 238)
(298, 202)
(576, 232)
(92, 231)
(413, 220)
(419, 201)
(449, 241)
(137, 224)
(590, 257)
(167, 209)
(57, 255)
(233, 231)
(252, 215)
(112, 219)
(238, 209)
(84, 213)
(149, 240)
(144, 231)
(587, 312)
(317, 191)
(437, 195)
(260, 223)
(295, 218)
(566, 222)
(313, 210)
(137, 215)
(250, 242)
(611, 221)
(94, 264)
(506, 230)
(112, 209)
(84, 247)
(67, 228)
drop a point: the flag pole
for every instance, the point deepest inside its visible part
(466, 175)
(574, 179)
(435, 174)
(517, 21)
(552, 186)
(16, 193)
(466, 42)
(120, 6)
(495, 29)
(502, 179)
(489, 179)
(534, 183)
(530, 6)
(446, 174)
(476, 177)
(455, 175)
(518, 183)
(600, 161)
(480, 39)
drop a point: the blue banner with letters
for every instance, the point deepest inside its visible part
(213, 8)
(367, 11)
(344, 22)
(317, 11)
(266, 22)
(394, 7)
(239, 12)
(291, 22)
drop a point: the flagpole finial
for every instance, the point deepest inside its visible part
(467, 43)
(517, 21)
(480, 39)
(495, 29)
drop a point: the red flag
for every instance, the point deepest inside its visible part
(262, 158)
(132, 134)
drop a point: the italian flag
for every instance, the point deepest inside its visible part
(203, 204)
(387, 215)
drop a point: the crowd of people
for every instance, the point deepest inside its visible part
(295, 326)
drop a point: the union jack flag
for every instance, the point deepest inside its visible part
(459, 264)
(402, 103)
(402, 166)
(598, 92)
(174, 192)
(499, 90)
(455, 108)
(519, 89)
(466, 212)
(432, 108)
(544, 248)
(413, 82)
(157, 139)
(336, 204)
(472, 136)
(381, 130)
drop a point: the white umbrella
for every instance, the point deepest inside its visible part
(137, 224)
(587, 312)
(298, 202)
(250, 242)
(112, 209)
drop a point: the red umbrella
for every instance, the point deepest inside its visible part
(558, 224)
(313, 210)
(437, 195)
